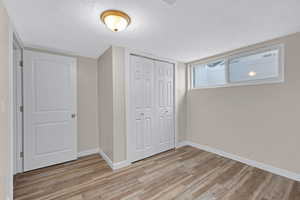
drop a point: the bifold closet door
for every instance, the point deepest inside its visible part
(142, 108)
(151, 108)
(165, 106)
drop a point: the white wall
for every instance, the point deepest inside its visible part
(5, 160)
(259, 122)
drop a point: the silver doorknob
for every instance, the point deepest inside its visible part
(73, 115)
(142, 113)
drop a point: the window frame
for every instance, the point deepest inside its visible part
(228, 58)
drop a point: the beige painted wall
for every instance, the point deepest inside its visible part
(4, 104)
(87, 100)
(180, 101)
(258, 122)
(105, 98)
(119, 118)
(112, 104)
(87, 93)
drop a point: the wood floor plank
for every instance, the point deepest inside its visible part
(186, 173)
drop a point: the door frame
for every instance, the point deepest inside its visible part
(12, 37)
(128, 53)
(18, 125)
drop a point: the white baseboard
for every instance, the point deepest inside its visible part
(88, 152)
(182, 144)
(121, 164)
(114, 166)
(106, 158)
(269, 168)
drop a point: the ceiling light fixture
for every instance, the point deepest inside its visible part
(115, 20)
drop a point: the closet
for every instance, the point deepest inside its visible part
(151, 107)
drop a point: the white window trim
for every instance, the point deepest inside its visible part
(279, 79)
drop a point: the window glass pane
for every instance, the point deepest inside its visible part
(209, 74)
(258, 66)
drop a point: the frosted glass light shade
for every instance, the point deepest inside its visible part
(115, 20)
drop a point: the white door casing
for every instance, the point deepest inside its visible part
(17, 104)
(151, 107)
(50, 107)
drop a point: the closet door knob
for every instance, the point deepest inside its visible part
(142, 113)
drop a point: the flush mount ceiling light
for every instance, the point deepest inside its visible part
(115, 20)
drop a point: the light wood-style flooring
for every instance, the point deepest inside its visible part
(183, 174)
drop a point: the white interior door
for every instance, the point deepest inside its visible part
(151, 108)
(165, 106)
(50, 125)
(142, 107)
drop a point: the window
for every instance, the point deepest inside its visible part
(209, 74)
(254, 67)
(262, 66)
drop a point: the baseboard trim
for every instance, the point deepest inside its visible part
(266, 167)
(114, 166)
(121, 164)
(88, 152)
(106, 158)
(182, 144)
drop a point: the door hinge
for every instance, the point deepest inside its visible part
(21, 63)
(21, 154)
(21, 108)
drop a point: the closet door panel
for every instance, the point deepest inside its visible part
(149, 107)
(141, 100)
(165, 102)
(169, 85)
(169, 127)
(137, 85)
(139, 128)
(148, 132)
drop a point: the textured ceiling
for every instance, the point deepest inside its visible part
(184, 31)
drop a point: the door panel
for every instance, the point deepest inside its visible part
(169, 94)
(148, 132)
(46, 137)
(50, 130)
(161, 128)
(138, 86)
(161, 96)
(52, 95)
(148, 93)
(139, 136)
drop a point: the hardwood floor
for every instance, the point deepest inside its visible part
(183, 174)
